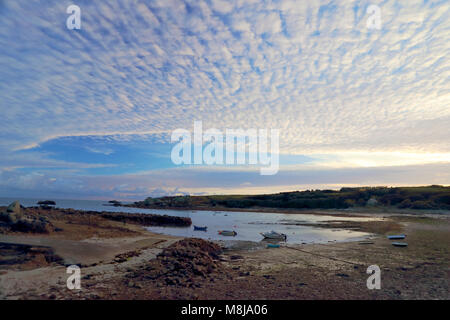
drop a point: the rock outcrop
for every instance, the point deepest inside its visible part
(147, 219)
(14, 219)
(12, 214)
(47, 204)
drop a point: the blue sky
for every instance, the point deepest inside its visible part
(89, 113)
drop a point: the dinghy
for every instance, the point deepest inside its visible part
(197, 228)
(399, 244)
(396, 237)
(273, 235)
(227, 233)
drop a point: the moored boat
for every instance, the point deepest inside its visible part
(227, 233)
(399, 244)
(396, 237)
(197, 228)
(273, 235)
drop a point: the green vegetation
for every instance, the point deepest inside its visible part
(421, 198)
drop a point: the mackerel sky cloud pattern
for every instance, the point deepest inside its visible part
(344, 97)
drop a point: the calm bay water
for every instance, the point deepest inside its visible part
(248, 225)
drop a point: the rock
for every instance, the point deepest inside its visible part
(47, 203)
(115, 203)
(406, 268)
(147, 219)
(8, 217)
(183, 262)
(14, 208)
(33, 225)
(12, 213)
(343, 275)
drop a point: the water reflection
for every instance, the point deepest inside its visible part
(249, 225)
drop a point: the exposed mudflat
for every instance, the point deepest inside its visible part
(121, 260)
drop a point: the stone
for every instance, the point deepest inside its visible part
(12, 214)
(33, 225)
(14, 208)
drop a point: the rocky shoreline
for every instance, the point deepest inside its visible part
(120, 259)
(16, 218)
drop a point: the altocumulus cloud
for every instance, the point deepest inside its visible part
(339, 92)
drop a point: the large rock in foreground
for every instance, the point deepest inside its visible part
(184, 263)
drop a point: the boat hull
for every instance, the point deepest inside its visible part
(399, 244)
(396, 237)
(228, 233)
(278, 237)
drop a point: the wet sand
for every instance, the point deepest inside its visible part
(118, 261)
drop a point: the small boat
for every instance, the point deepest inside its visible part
(366, 242)
(273, 245)
(399, 244)
(197, 228)
(396, 237)
(273, 235)
(227, 233)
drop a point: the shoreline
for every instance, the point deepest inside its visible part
(353, 212)
(122, 260)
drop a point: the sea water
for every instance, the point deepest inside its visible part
(248, 225)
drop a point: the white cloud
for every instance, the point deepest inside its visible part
(310, 68)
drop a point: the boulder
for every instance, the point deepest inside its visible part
(5, 217)
(14, 208)
(47, 202)
(16, 221)
(32, 225)
(12, 213)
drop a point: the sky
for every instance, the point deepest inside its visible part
(88, 113)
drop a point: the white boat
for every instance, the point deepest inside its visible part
(273, 235)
